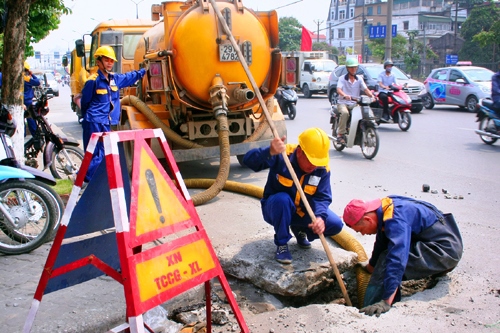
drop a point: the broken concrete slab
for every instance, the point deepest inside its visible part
(309, 272)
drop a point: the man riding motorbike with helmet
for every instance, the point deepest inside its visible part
(349, 86)
(385, 80)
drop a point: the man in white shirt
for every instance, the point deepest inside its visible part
(349, 86)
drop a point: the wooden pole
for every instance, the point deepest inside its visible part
(285, 156)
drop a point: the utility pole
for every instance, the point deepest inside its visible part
(456, 27)
(363, 25)
(317, 34)
(388, 31)
(137, 7)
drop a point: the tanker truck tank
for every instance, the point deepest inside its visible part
(195, 77)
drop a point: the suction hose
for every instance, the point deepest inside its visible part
(223, 126)
(344, 238)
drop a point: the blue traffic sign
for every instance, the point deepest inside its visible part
(379, 31)
(451, 59)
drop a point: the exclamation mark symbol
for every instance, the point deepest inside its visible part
(150, 178)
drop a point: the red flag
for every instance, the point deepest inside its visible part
(306, 43)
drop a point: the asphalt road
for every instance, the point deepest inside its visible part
(440, 149)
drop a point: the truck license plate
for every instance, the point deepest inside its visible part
(228, 53)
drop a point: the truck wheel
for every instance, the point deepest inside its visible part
(306, 91)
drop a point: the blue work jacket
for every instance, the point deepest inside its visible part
(101, 97)
(400, 220)
(316, 185)
(30, 81)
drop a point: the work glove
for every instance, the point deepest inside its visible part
(376, 309)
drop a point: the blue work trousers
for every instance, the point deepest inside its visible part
(88, 129)
(279, 211)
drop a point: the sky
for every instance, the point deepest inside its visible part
(88, 13)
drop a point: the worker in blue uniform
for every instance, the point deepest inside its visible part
(413, 240)
(282, 206)
(30, 81)
(100, 101)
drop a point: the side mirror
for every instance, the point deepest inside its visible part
(80, 48)
(65, 61)
(460, 81)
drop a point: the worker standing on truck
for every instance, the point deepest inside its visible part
(414, 240)
(281, 204)
(101, 101)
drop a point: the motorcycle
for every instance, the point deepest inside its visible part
(361, 128)
(489, 122)
(287, 99)
(399, 108)
(30, 210)
(60, 154)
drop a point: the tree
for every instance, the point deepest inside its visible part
(377, 46)
(23, 18)
(480, 20)
(323, 46)
(290, 33)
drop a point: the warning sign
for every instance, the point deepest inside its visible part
(173, 268)
(155, 211)
(162, 246)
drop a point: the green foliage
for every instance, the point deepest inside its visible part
(63, 186)
(43, 18)
(377, 46)
(323, 46)
(480, 22)
(290, 34)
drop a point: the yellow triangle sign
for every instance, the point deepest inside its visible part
(158, 205)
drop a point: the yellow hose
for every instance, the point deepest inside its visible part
(225, 155)
(344, 238)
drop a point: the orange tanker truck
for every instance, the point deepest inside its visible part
(196, 83)
(197, 90)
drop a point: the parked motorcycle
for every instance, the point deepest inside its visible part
(361, 128)
(399, 108)
(30, 210)
(60, 154)
(489, 122)
(287, 99)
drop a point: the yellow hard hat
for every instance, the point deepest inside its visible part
(26, 65)
(105, 51)
(315, 144)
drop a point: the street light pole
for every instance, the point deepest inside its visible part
(317, 35)
(137, 7)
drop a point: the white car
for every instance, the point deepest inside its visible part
(461, 85)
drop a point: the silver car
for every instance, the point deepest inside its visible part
(461, 85)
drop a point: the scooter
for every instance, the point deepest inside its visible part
(287, 99)
(61, 155)
(30, 210)
(489, 122)
(361, 128)
(399, 108)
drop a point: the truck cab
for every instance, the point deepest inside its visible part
(314, 76)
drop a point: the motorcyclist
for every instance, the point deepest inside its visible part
(495, 95)
(349, 86)
(385, 80)
(30, 81)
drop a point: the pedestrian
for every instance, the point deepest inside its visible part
(385, 80)
(30, 81)
(413, 240)
(101, 101)
(282, 206)
(350, 86)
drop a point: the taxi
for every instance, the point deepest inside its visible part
(463, 86)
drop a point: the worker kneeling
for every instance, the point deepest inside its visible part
(414, 240)
(282, 206)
